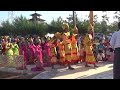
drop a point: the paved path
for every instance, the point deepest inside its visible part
(103, 72)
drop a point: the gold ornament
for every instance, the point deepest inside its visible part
(65, 26)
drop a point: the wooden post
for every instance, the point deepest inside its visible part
(74, 21)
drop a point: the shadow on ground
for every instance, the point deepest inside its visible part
(103, 75)
(59, 72)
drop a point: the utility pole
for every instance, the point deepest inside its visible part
(74, 21)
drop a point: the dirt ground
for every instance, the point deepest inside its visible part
(6, 75)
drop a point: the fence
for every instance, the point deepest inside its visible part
(15, 61)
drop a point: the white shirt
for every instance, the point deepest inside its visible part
(115, 40)
(79, 40)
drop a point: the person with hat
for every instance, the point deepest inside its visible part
(68, 48)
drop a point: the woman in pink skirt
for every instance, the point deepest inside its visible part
(23, 51)
(38, 58)
(47, 51)
(31, 51)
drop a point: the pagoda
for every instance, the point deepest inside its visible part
(36, 18)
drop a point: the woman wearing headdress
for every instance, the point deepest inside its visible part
(74, 46)
(68, 47)
(90, 59)
(53, 53)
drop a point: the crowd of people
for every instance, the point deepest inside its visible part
(64, 49)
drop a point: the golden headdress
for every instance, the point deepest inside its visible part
(58, 35)
(65, 25)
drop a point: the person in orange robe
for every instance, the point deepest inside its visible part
(53, 54)
(90, 58)
(75, 57)
(68, 47)
(62, 52)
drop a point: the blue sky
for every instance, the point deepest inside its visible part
(50, 15)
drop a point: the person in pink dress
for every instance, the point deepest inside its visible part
(3, 47)
(38, 58)
(31, 51)
(23, 51)
(47, 51)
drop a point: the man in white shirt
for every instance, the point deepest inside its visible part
(115, 43)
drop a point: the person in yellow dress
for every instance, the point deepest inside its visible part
(62, 51)
(68, 47)
(75, 56)
(90, 59)
(53, 53)
(9, 52)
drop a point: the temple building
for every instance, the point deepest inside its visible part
(36, 18)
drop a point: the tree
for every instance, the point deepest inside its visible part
(70, 18)
(105, 20)
(105, 17)
(21, 26)
(113, 26)
(117, 15)
(6, 28)
(95, 18)
(56, 26)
